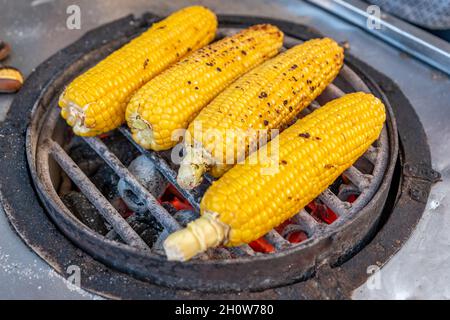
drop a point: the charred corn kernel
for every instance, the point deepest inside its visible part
(95, 102)
(11, 80)
(247, 202)
(171, 100)
(266, 98)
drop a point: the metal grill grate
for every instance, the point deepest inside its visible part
(364, 184)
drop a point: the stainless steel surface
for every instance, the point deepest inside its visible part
(37, 29)
(405, 36)
(23, 275)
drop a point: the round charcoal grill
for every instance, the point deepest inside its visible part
(217, 269)
(392, 187)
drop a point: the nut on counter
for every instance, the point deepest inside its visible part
(11, 80)
(5, 49)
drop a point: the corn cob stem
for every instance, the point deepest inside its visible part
(195, 162)
(74, 116)
(199, 235)
(143, 129)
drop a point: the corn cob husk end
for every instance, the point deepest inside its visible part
(142, 132)
(194, 164)
(75, 116)
(199, 235)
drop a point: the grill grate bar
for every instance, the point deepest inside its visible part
(108, 212)
(346, 190)
(359, 179)
(161, 214)
(331, 92)
(219, 253)
(354, 79)
(371, 154)
(242, 250)
(314, 105)
(291, 228)
(277, 240)
(334, 203)
(305, 220)
(191, 196)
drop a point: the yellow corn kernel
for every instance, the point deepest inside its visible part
(95, 101)
(171, 100)
(246, 203)
(266, 98)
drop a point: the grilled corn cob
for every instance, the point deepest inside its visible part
(171, 100)
(268, 97)
(95, 101)
(245, 203)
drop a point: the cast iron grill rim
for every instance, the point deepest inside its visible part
(365, 184)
